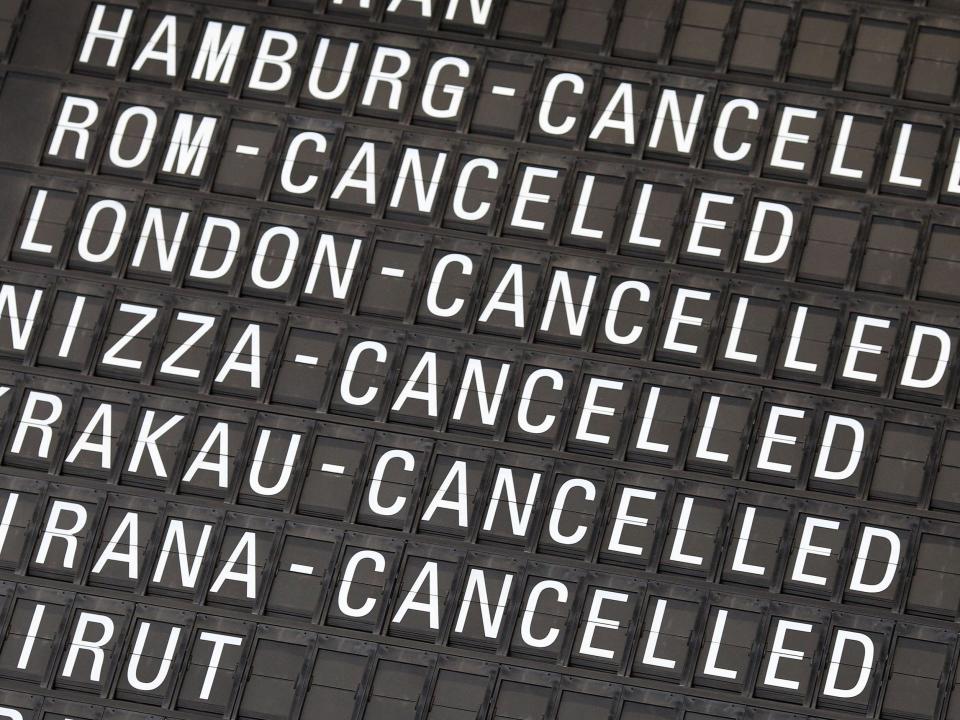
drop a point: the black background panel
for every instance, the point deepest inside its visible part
(248, 147)
(642, 28)
(817, 52)
(520, 360)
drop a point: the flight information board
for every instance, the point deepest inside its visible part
(496, 359)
